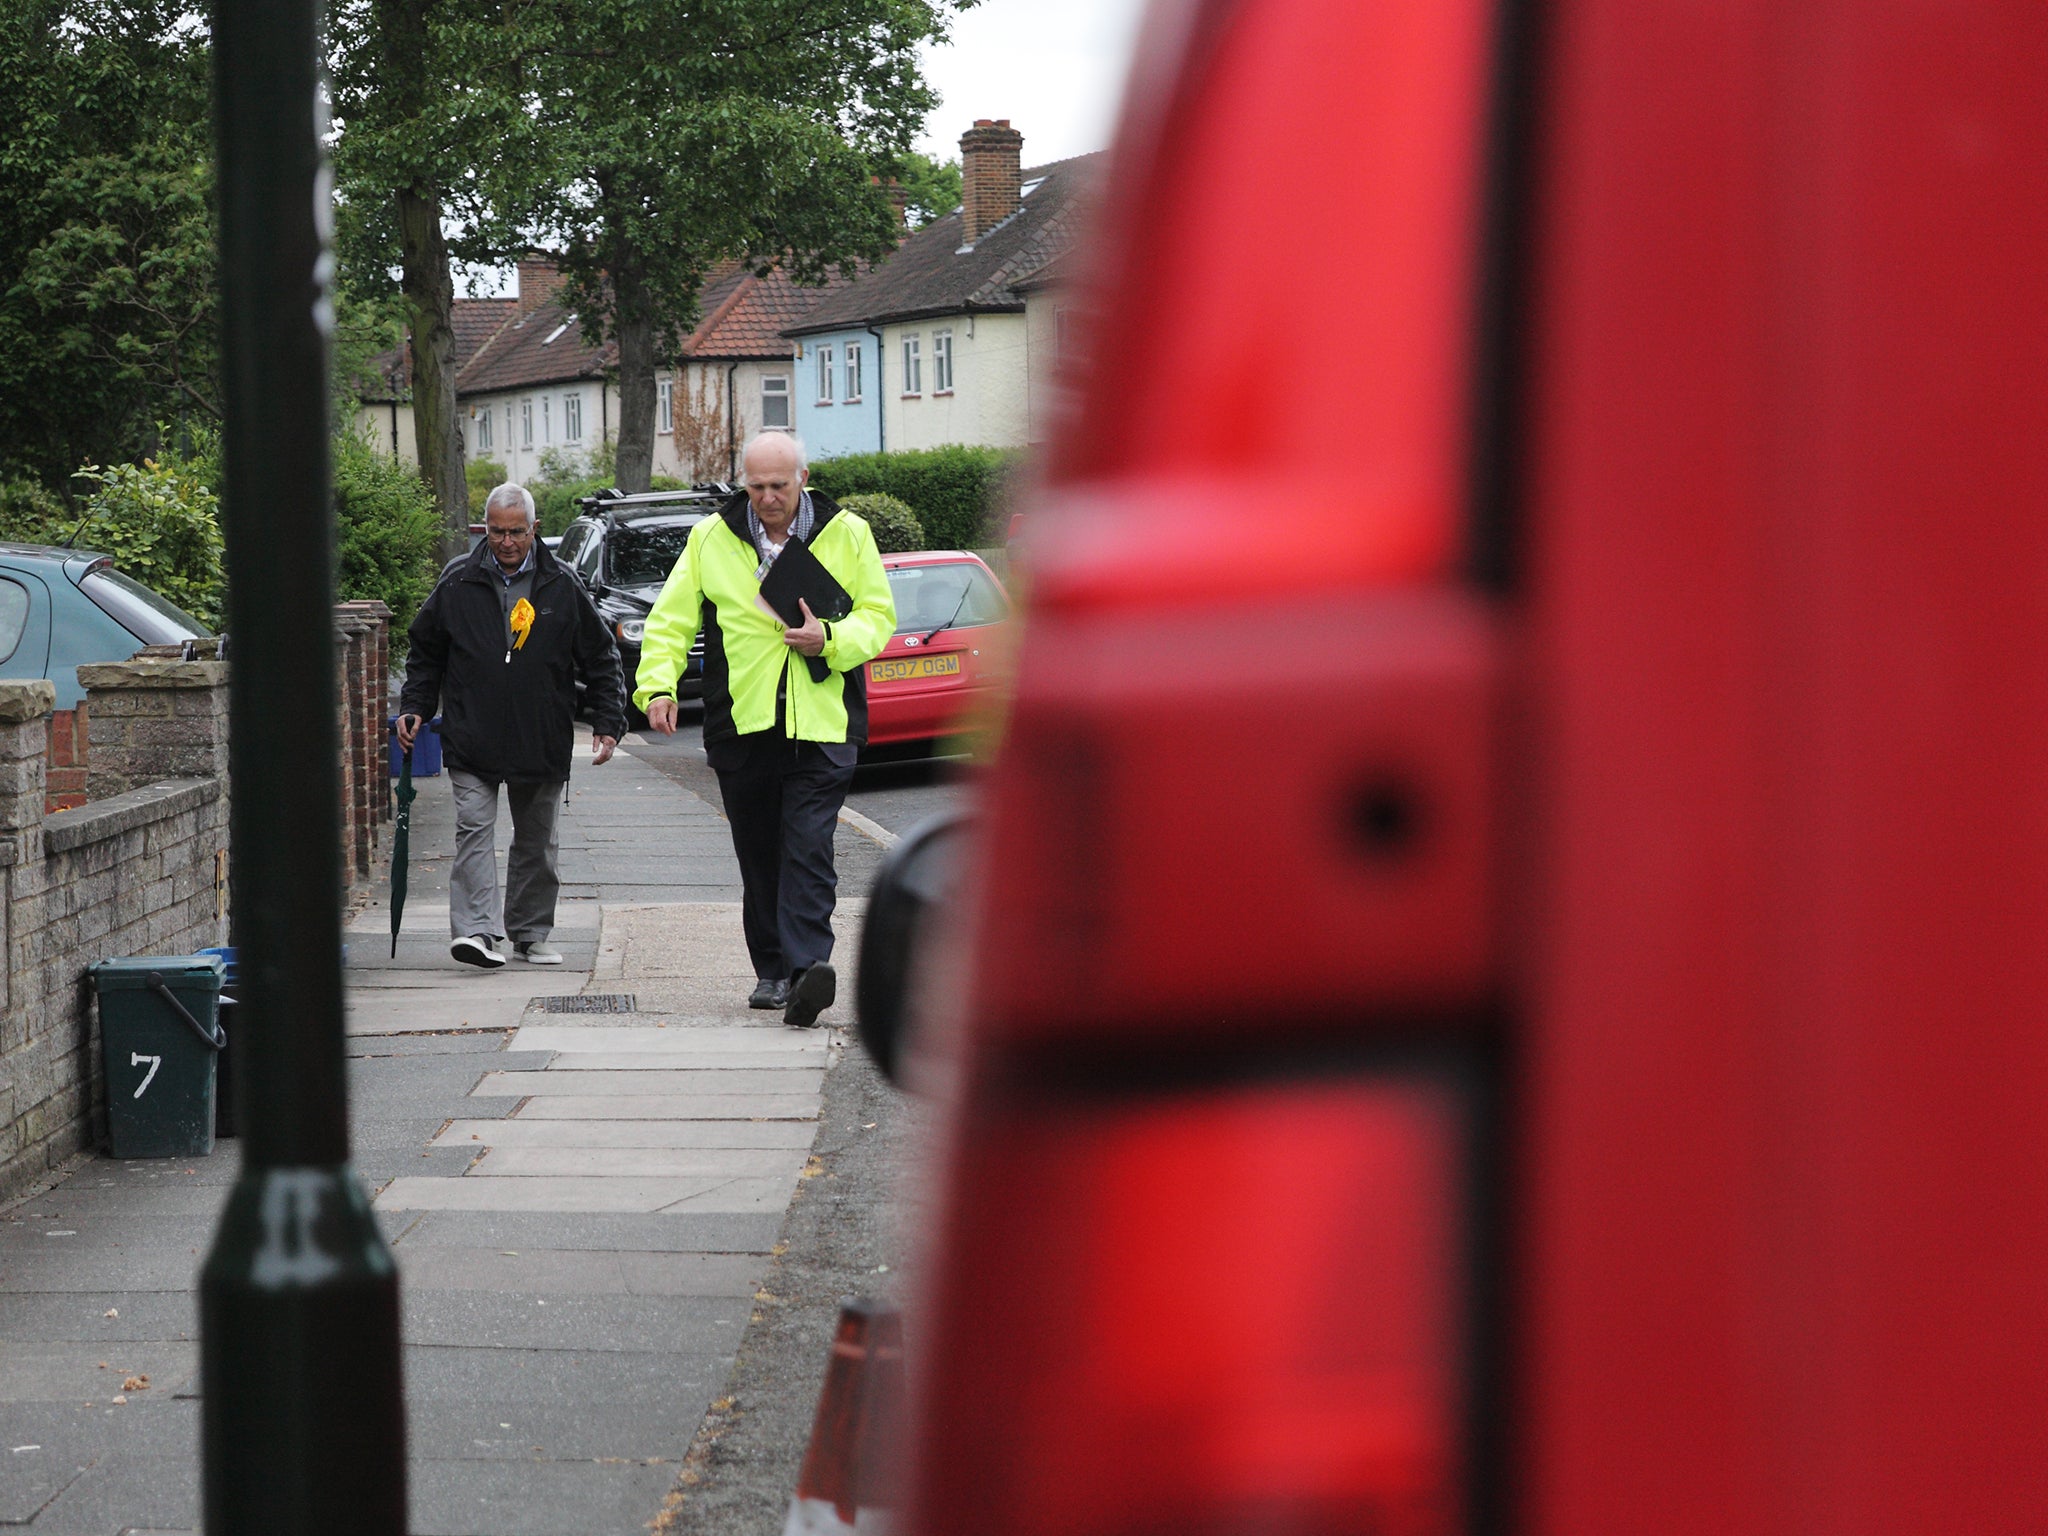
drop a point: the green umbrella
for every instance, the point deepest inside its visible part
(401, 843)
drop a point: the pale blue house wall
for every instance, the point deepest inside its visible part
(838, 426)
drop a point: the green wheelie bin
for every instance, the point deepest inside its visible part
(159, 1034)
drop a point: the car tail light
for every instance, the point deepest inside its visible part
(1227, 1307)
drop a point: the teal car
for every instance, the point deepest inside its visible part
(61, 609)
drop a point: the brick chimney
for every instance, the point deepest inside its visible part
(992, 172)
(538, 279)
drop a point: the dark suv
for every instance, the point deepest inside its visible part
(622, 549)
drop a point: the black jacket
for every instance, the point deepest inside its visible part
(511, 719)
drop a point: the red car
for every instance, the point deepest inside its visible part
(951, 613)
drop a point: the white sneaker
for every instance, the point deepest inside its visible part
(539, 952)
(476, 949)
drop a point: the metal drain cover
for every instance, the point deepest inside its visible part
(588, 1002)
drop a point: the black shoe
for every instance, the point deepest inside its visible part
(810, 994)
(769, 992)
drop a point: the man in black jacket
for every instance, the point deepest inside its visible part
(500, 645)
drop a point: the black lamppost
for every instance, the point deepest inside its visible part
(302, 1411)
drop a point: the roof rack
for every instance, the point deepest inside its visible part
(612, 497)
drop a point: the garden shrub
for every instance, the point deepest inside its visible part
(955, 492)
(387, 533)
(484, 476)
(31, 515)
(161, 523)
(896, 528)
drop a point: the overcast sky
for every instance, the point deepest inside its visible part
(1054, 68)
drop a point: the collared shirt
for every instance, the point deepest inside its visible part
(525, 566)
(799, 528)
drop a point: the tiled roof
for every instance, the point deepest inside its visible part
(931, 275)
(745, 316)
(475, 321)
(544, 346)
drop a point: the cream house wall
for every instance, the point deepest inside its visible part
(1048, 388)
(990, 403)
(505, 441)
(388, 426)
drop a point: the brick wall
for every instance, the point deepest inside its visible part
(64, 774)
(131, 872)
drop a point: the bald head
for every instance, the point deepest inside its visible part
(774, 473)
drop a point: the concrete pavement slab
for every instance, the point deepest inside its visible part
(558, 1035)
(527, 1231)
(570, 1272)
(667, 1079)
(509, 1320)
(440, 1373)
(640, 1162)
(669, 1106)
(534, 1498)
(68, 1371)
(590, 1196)
(125, 1492)
(788, 1134)
(514, 1430)
(139, 1317)
(721, 1062)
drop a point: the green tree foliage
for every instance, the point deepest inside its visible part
(484, 476)
(931, 188)
(387, 531)
(669, 137)
(957, 493)
(108, 320)
(896, 528)
(160, 520)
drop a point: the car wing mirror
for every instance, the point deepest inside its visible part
(916, 878)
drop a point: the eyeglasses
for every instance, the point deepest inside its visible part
(509, 535)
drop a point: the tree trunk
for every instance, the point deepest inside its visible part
(429, 289)
(633, 324)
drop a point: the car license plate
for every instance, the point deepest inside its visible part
(896, 668)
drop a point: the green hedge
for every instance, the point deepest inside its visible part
(895, 526)
(387, 532)
(956, 493)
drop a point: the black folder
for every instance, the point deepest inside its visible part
(796, 575)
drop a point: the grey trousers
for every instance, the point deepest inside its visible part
(531, 877)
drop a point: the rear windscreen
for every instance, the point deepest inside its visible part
(643, 557)
(151, 619)
(931, 597)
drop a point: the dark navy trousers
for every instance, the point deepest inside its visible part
(782, 798)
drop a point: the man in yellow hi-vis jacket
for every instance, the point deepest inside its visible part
(782, 743)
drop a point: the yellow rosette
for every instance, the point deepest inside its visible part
(522, 621)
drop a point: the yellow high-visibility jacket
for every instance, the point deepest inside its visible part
(747, 666)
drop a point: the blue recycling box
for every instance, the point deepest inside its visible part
(159, 1034)
(426, 748)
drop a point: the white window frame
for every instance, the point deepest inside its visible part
(525, 424)
(825, 356)
(572, 417)
(942, 362)
(780, 390)
(913, 364)
(854, 361)
(483, 430)
(547, 421)
(665, 406)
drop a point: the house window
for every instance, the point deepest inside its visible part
(665, 406)
(942, 362)
(483, 429)
(913, 365)
(775, 402)
(547, 426)
(526, 423)
(572, 418)
(853, 352)
(508, 424)
(824, 375)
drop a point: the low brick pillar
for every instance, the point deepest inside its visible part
(24, 765)
(152, 719)
(376, 701)
(66, 759)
